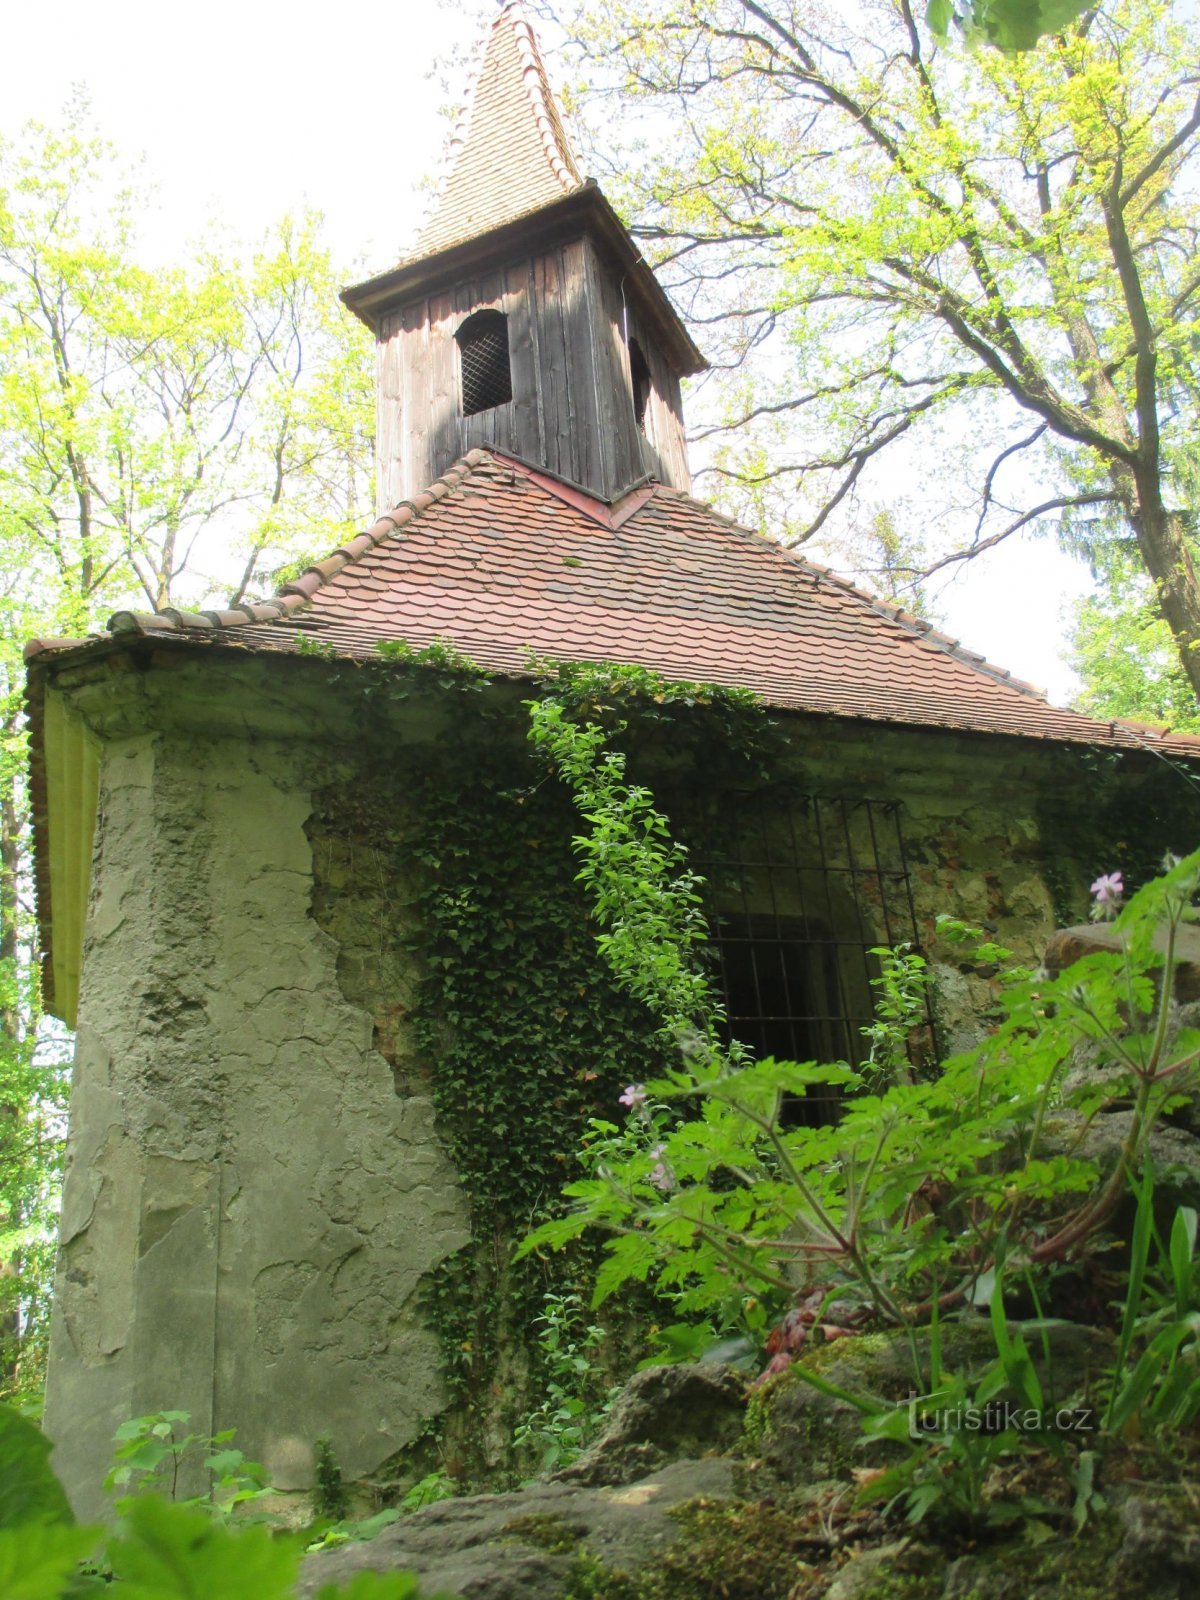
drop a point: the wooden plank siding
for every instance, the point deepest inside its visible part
(572, 408)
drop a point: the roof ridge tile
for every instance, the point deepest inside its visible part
(297, 593)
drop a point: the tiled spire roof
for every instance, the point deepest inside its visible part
(510, 154)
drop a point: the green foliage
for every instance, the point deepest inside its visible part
(440, 657)
(375, 1586)
(166, 1550)
(1122, 650)
(160, 1550)
(350, 1530)
(29, 1491)
(919, 1185)
(1156, 1378)
(329, 1499)
(900, 996)
(578, 1394)
(427, 1491)
(151, 1453)
(1007, 24)
(922, 1195)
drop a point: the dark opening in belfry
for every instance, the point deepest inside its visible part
(483, 359)
(639, 373)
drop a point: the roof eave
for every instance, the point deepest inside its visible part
(584, 210)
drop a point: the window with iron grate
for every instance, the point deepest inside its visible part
(483, 361)
(799, 890)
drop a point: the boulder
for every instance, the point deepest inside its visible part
(664, 1414)
(1160, 1546)
(529, 1544)
(1070, 945)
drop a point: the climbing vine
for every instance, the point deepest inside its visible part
(454, 861)
(457, 864)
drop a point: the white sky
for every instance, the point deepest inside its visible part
(248, 110)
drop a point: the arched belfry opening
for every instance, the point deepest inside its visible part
(484, 365)
(525, 320)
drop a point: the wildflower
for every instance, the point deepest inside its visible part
(1107, 891)
(635, 1095)
(660, 1174)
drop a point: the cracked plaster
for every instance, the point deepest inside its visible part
(249, 1207)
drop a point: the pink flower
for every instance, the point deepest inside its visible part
(634, 1096)
(1108, 888)
(1107, 892)
(660, 1174)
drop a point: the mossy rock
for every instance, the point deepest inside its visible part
(803, 1435)
(724, 1550)
(664, 1414)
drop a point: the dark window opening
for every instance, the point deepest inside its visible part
(639, 374)
(790, 993)
(799, 891)
(483, 357)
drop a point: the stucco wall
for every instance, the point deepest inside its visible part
(249, 1206)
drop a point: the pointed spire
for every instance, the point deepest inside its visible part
(510, 154)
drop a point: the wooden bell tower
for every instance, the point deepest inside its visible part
(527, 320)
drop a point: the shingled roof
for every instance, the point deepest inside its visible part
(504, 560)
(510, 155)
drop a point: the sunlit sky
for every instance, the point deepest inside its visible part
(244, 111)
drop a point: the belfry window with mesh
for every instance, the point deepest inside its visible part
(483, 361)
(799, 890)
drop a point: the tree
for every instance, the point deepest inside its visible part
(153, 422)
(1123, 653)
(991, 254)
(1007, 24)
(176, 435)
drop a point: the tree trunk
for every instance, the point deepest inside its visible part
(1165, 548)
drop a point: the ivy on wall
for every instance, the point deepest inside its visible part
(453, 865)
(447, 875)
(529, 1032)
(1096, 820)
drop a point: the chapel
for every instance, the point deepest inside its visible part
(264, 1173)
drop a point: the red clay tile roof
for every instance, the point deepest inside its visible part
(502, 559)
(510, 155)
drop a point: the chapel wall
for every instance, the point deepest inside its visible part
(249, 1206)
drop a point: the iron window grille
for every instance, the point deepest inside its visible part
(484, 362)
(798, 892)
